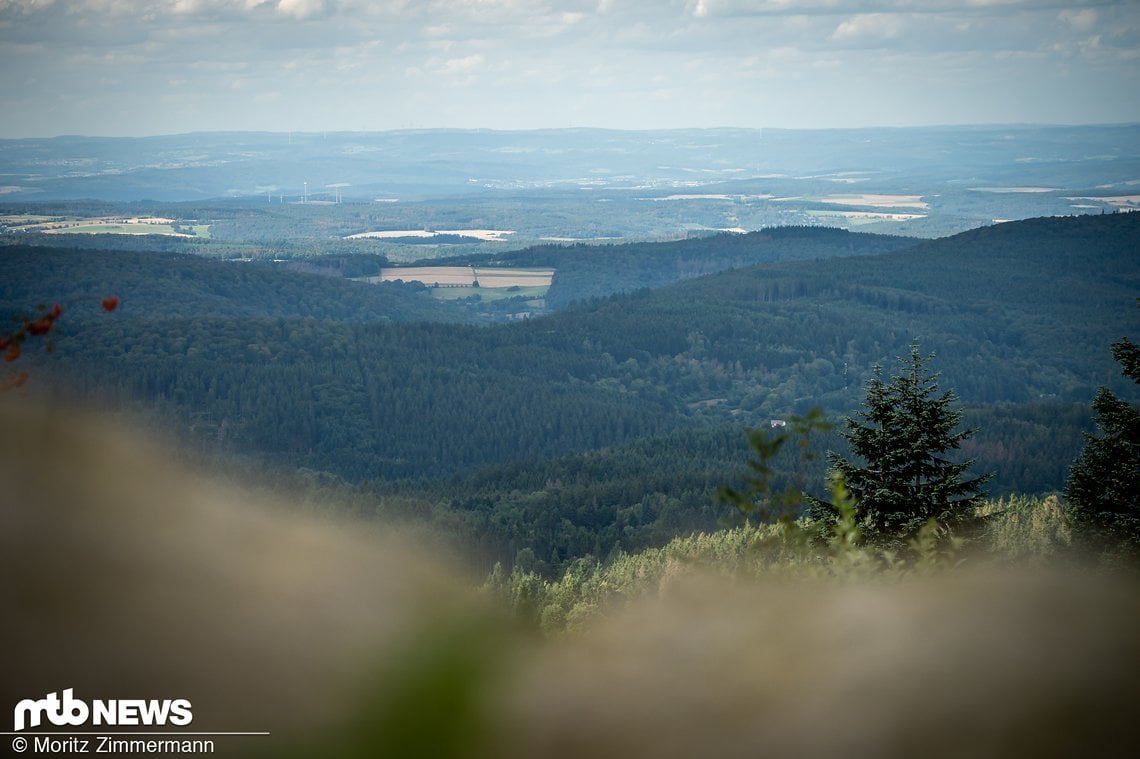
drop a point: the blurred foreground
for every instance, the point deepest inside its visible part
(130, 577)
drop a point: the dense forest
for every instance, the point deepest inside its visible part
(608, 425)
(581, 271)
(591, 271)
(157, 284)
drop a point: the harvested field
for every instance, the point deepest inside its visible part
(149, 225)
(1116, 201)
(515, 277)
(707, 196)
(109, 228)
(9, 220)
(1014, 189)
(878, 201)
(466, 276)
(866, 217)
(485, 235)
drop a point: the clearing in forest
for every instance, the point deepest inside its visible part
(468, 276)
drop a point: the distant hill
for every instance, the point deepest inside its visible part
(590, 271)
(1016, 313)
(585, 185)
(205, 165)
(169, 275)
(607, 425)
(153, 285)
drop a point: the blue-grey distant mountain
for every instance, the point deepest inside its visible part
(433, 162)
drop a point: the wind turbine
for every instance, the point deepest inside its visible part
(336, 189)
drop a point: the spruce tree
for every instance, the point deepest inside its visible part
(906, 428)
(1102, 493)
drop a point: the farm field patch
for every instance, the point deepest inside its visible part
(708, 196)
(14, 220)
(467, 276)
(856, 218)
(483, 235)
(1123, 202)
(534, 295)
(150, 225)
(1014, 189)
(878, 201)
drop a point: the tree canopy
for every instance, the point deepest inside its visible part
(906, 428)
(1103, 489)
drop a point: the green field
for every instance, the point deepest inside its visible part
(861, 218)
(109, 228)
(488, 293)
(9, 220)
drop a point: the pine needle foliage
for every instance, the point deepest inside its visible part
(1103, 490)
(903, 436)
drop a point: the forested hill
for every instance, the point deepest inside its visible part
(1016, 312)
(154, 284)
(155, 274)
(607, 425)
(1021, 312)
(590, 271)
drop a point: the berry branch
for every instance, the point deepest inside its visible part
(41, 325)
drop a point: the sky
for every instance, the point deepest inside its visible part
(132, 68)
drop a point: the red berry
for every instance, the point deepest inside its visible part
(40, 326)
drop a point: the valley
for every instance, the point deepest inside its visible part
(427, 343)
(485, 379)
(606, 420)
(526, 415)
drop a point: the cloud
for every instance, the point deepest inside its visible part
(8, 7)
(869, 26)
(302, 9)
(388, 63)
(466, 65)
(1082, 20)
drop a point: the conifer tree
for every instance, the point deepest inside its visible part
(903, 434)
(1103, 490)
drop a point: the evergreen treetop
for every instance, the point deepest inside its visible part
(906, 428)
(1103, 490)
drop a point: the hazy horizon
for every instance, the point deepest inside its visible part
(524, 130)
(158, 67)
